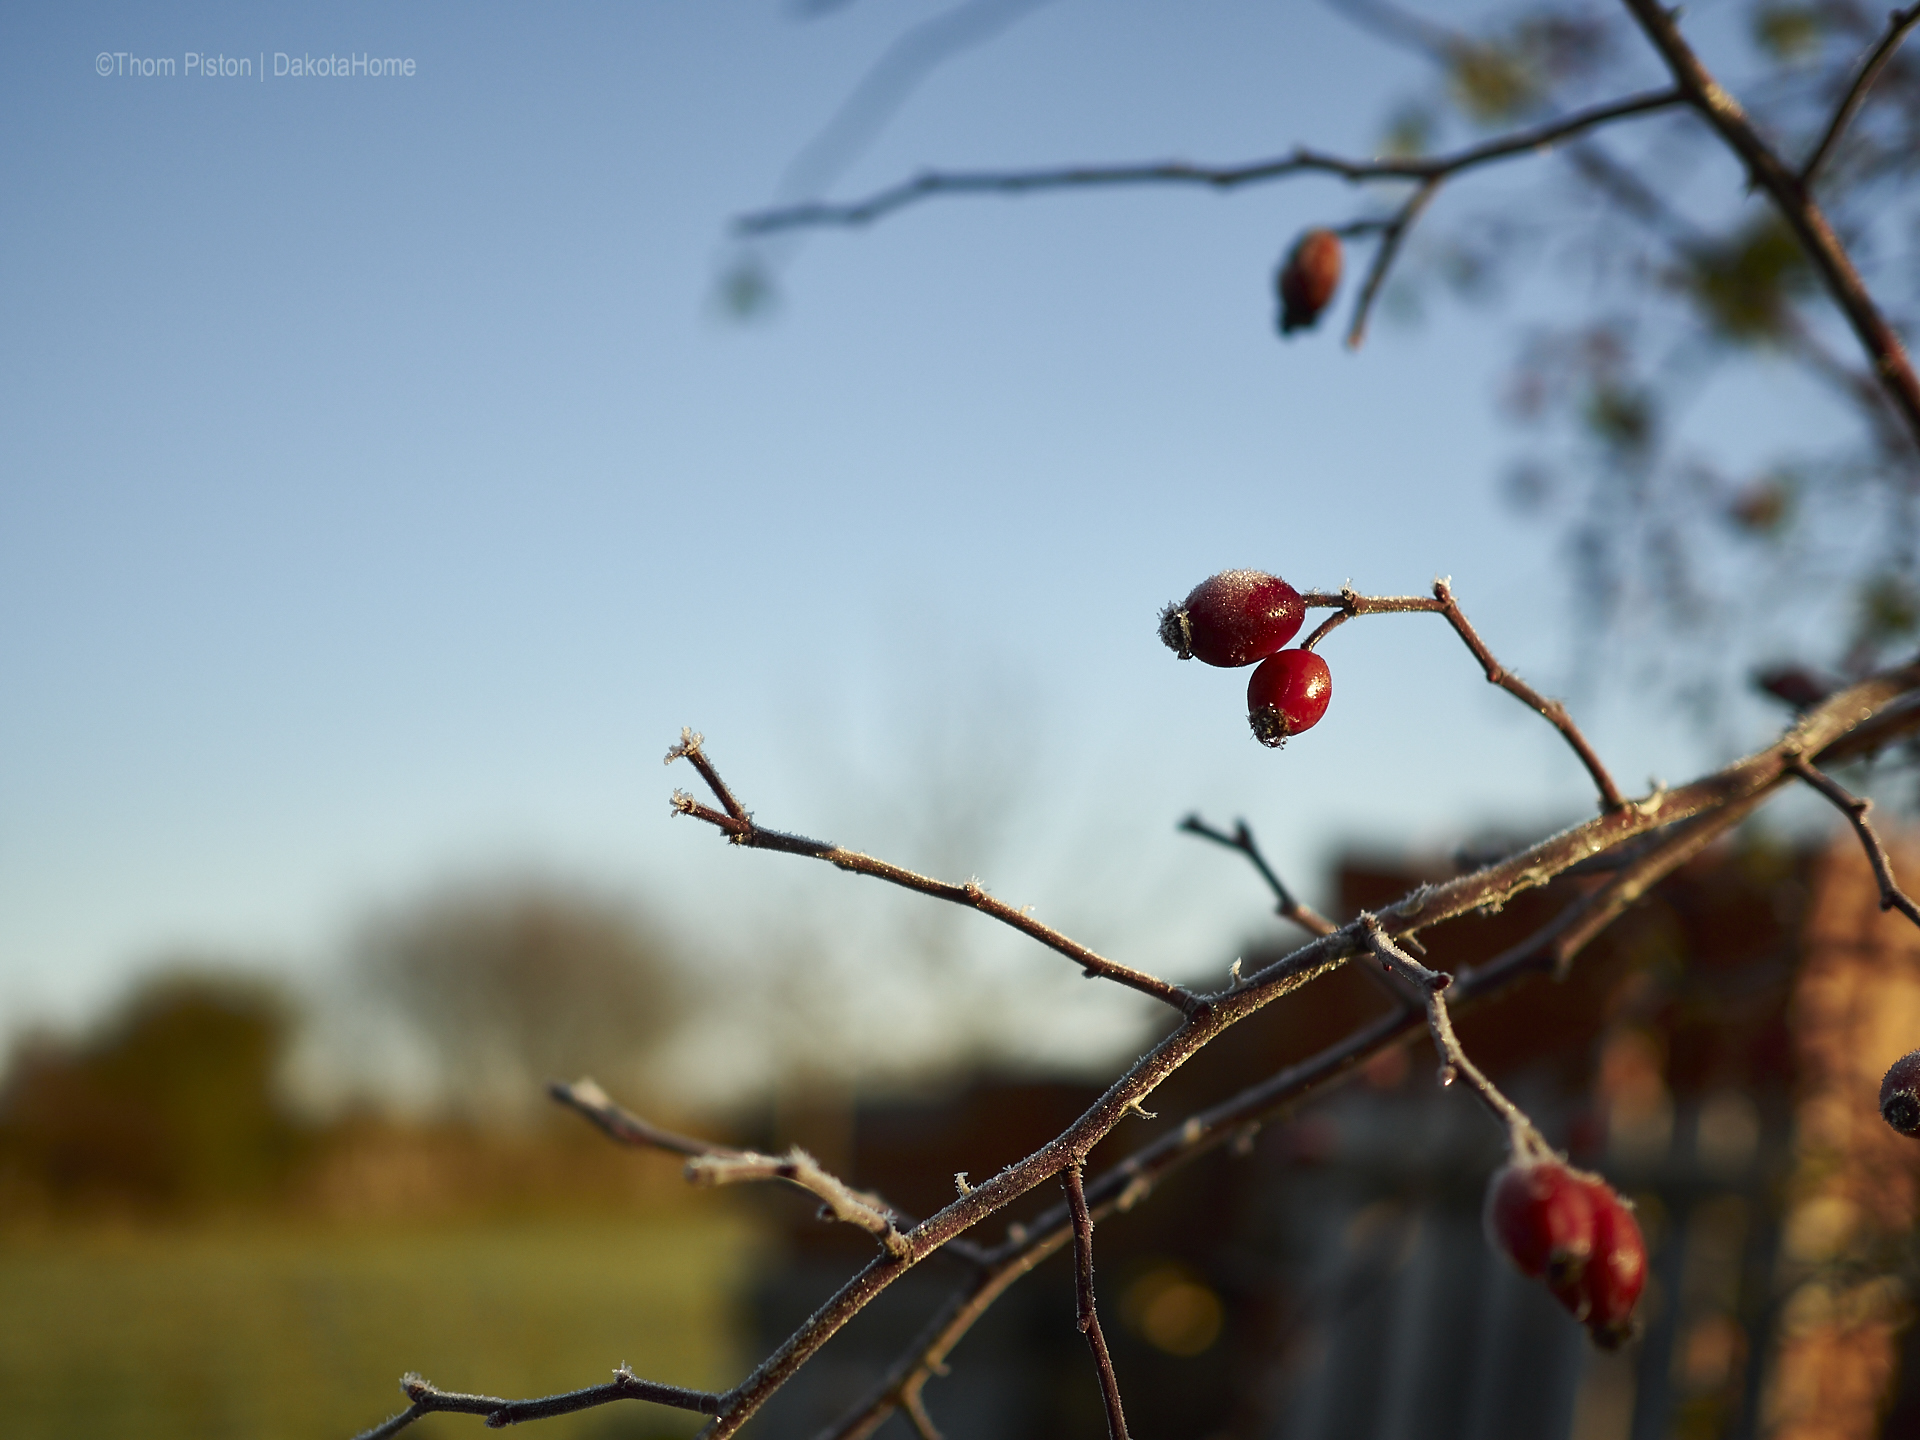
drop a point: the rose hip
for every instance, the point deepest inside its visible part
(1234, 618)
(1540, 1216)
(1617, 1272)
(1287, 694)
(1308, 279)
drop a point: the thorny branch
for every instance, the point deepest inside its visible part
(740, 828)
(1855, 808)
(1853, 721)
(1348, 603)
(1899, 23)
(1086, 1313)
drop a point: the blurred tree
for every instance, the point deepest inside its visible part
(171, 1105)
(511, 984)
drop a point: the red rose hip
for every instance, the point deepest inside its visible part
(1287, 694)
(1540, 1216)
(1900, 1095)
(1617, 1271)
(1234, 618)
(1308, 279)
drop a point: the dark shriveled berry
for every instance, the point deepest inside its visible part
(1287, 694)
(1234, 618)
(1308, 279)
(1900, 1095)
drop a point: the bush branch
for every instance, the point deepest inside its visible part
(1791, 197)
(1899, 23)
(710, 1164)
(1350, 603)
(1285, 905)
(1392, 233)
(626, 1385)
(1855, 808)
(740, 829)
(1086, 1313)
(1300, 161)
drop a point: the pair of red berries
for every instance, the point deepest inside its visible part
(1239, 617)
(1570, 1229)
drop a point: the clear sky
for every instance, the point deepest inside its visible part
(381, 489)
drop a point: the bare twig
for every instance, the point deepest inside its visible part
(797, 1167)
(711, 1164)
(740, 829)
(1392, 234)
(625, 1385)
(1855, 808)
(1285, 905)
(1350, 603)
(1086, 1311)
(1522, 1135)
(1795, 203)
(1301, 161)
(1899, 23)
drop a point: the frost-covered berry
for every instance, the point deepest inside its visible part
(1234, 618)
(1287, 694)
(1540, 1216)
(1617, 1271)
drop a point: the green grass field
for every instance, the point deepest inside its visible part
(288, 1331)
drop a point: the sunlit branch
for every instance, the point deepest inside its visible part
(1899, 24)
(1349, 604)
(1300, 162)
(1522, 1135)
(498, 1412)
(1855, 808)
(710, 1164)
(740, 828)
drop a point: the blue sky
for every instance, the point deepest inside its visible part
(380, 489)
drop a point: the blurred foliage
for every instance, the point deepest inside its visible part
(513, 984)
(1742, 285)
(1787, 32)
(170, 1106)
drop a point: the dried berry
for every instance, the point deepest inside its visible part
(1900, 1095)
(1540, 1216)
(1617, 1271)
(1308, 279)
(1234, 618)
(1287, 694)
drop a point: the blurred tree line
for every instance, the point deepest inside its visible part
(179, 1102)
